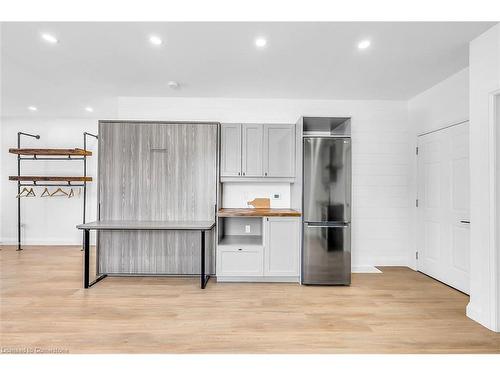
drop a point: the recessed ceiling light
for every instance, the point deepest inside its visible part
(173, 84)
(260, 42)
(155, 40)
(89, 109)
(49, 38)
(32, 108)
(364, 44)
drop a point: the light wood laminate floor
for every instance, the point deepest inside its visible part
(400, 311)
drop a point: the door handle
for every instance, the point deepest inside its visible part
(465, 221)
(340, 225)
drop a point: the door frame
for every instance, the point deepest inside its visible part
(494, 192)
(418, 172)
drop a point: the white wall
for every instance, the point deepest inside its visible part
(442, 105)
(496, 247)
(1, 150)
(380, 157)
(484, 79)
(45, 220)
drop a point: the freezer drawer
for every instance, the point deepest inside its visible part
(326, 255)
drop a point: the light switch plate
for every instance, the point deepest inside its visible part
(247, 228)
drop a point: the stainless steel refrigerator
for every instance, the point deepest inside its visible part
(326, 248)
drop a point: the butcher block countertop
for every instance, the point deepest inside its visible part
(234, 212)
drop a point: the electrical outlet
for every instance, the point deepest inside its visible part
(276, 196)
(247, 198)
(247, 228)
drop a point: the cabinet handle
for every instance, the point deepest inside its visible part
(240, 249)
(243, 173)
(238, 173)
(265, 174)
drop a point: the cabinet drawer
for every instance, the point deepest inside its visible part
(240, 261)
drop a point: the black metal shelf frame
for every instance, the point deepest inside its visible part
(35, 183)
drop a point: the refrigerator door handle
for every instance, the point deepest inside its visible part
(332, 225)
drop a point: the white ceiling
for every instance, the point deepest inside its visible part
(96, 62)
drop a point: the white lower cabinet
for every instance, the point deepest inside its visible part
(277, 260)
(240, 261)
(281, 246)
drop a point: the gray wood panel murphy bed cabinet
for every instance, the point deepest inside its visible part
(156, 172)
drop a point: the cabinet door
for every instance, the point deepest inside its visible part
(252, 150)
(279, 150)
(231, 150)
(239, 261)
(281, 252)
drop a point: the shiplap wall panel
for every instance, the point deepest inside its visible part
(156, 171)
(380, 193)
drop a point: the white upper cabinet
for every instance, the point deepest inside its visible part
(251, 161)
(231, 150)
(257, 151)
(279, 150)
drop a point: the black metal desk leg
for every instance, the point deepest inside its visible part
(204, 278)
(202, 259)
(86, 260)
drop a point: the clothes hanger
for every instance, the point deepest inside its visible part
(29, 193)
(59, 190)
(45, 193)
(20, 195)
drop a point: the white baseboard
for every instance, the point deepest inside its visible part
(44, 242)
(258, 279)
(365, 269)
(474, 313)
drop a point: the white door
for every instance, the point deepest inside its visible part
(443, 206)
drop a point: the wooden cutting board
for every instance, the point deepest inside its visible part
(260, 203)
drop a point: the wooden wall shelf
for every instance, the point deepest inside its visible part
(50, 151)
(46, 154)
(51, 178)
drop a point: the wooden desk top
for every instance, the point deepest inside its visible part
(258, 212)
(147, 225)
